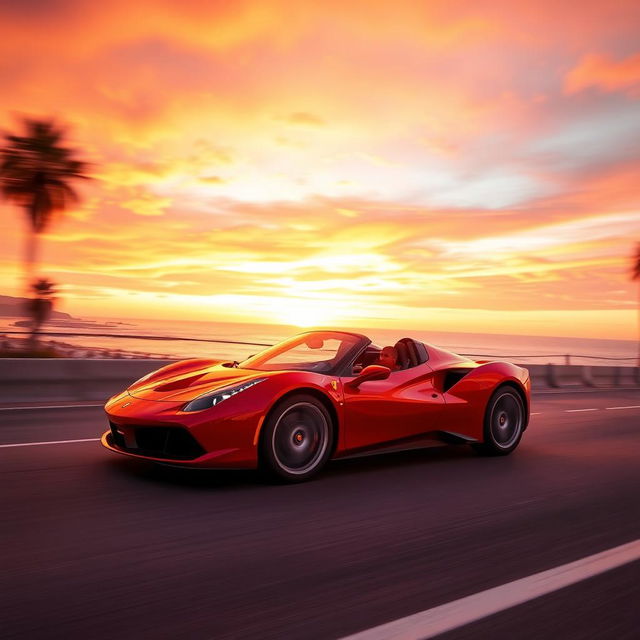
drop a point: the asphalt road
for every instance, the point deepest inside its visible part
(95, 545)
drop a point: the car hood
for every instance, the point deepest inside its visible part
(184, 387)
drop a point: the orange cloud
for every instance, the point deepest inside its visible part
(147, 205)
(601, 72)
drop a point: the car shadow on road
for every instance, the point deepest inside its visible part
(393, 460)
(204, 479)
(208, 479)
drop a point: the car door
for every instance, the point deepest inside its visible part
(405, 406)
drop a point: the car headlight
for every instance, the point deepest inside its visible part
(213, 398)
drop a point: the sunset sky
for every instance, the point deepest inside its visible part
(464, 166)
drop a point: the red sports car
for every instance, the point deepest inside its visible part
(317, 396)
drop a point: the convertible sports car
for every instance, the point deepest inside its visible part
(317, 396)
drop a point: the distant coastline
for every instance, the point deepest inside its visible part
(102, 337)
(12, 307)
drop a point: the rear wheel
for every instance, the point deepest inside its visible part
(297, 439)
(503, 423)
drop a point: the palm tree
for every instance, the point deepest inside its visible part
(36, 173)
(635, 275)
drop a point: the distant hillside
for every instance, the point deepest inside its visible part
(10, 306)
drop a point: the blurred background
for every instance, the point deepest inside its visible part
(238, 171)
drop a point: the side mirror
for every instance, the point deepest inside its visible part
(372, 372)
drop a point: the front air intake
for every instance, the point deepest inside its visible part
(170, 443)
(173, 443)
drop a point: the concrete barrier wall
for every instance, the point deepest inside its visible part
(41, 379)
(37, 380)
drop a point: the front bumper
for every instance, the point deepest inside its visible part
(161, 432)
(213, 460)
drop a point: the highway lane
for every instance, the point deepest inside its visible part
(98, 545)
(30, 423)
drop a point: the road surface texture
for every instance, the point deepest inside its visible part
(96, 545)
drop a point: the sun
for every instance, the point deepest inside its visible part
(305, 313)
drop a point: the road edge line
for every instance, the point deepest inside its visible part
(455, 614)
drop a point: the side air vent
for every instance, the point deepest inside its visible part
(453, 376)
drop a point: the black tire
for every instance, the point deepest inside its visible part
(504, 421)
(297, 439)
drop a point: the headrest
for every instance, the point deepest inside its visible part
(413, 353)
(403, 355)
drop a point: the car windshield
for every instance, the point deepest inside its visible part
(319, 351)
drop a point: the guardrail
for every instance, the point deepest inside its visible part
(63, 379)
(566, 357)
(565, 376)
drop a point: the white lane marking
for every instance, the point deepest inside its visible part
(53, 406)
(452, 615)
(632, 406)
(34, 444)
(578, 410)
(536, 414)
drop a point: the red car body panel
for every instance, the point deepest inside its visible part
(404, 406)
(442, 400)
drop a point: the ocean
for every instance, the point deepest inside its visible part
(236, 341)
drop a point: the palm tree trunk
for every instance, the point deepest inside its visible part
(30, 256)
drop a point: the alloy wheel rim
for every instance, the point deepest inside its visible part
(506, 420)
(300, 438)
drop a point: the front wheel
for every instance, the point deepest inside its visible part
(297, 439)
(503, 423)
